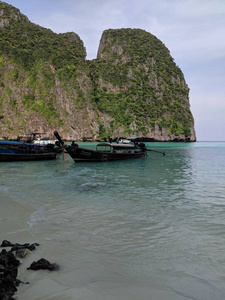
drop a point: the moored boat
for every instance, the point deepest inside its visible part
(44, 141)
(18, 151)
(104, 151)
(36, 138)
(125, 141)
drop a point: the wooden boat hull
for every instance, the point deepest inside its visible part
(86, 155)
(105, 151)
(26, 157)
(18, 151)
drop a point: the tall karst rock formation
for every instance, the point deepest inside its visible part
(133, 87)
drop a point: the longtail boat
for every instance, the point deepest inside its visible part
(104, 151)
(19, 151)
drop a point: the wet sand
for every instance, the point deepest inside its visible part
(13, 220)
(44, 284)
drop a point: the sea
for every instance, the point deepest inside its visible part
(146, 229)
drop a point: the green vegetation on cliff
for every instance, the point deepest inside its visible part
(148, 87)
(132, 87)
(26, 43)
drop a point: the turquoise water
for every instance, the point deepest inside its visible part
(151, 228)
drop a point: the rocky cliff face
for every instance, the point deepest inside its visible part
(132, 88)
(138, 68)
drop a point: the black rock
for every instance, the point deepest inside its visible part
(7, 258)
(44, 265)
(8, 274)
(9, 267)
(32, 246)
(17, 246)
(6, 243)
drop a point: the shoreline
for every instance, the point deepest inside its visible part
(14, 220)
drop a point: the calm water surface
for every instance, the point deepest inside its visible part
(151, 228)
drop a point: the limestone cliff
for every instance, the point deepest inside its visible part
(132, 88)
(139, 82)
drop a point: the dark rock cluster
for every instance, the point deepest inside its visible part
(16, 246)
(43, 264)
(8, 274)
(9, 267)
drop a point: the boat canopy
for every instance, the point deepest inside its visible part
(104, 147)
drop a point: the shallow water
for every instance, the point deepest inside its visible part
(150, 228)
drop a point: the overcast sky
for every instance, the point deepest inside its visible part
(193, 31)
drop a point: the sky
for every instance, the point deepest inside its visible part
(192, 30)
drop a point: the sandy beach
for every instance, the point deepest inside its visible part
(66, 283)
(13, 220)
